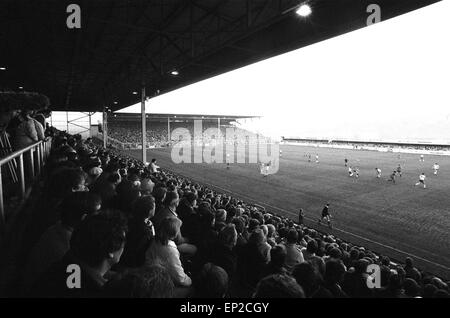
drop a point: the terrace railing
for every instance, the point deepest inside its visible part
(26, 164)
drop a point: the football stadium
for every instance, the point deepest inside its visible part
(224, 149)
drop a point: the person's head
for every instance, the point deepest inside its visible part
(159, 193)
(292, 236)
(154, 160)
(412, 289)
(63, 181)
(306, 276)
(191, 198)
(334, 272)
(385, 260)
(312, 246)
(441, 293)
(335, 253)
(228, 236)
(221, 216)
(264, 229)
(114, 178)
(99, 240)
(168, 230)
(77, 206)
(151, 281)
(270, 230)
(144, 208)
(278, 256)
(256, 237)
(239, 224)
(409, 262)
(172, 199)
(429, 290)
(278, 286)
(211, 282)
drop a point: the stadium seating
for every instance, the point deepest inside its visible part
(210, 244)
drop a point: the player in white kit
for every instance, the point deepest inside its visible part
(422, 178)
(422, 159)
(378, 171)
(317, 158)
(436, 168)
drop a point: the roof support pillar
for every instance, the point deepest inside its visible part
(168, 129)
(218, 127)
(105, 128)
(144, 128)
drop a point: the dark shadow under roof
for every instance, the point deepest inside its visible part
(122, 43)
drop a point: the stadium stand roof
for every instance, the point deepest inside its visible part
(163, 117)
(121, 43)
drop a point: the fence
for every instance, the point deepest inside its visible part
(35, 156)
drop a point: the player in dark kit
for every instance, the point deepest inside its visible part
(399, 170)
(392, 177)
(326, 215)
(301, 216)
(346, 162)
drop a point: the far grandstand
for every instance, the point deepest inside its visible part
(124, 130)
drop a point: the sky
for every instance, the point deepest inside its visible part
(385, 82)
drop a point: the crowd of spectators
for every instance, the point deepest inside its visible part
(366, 145)
(129, 136)
(131, 230)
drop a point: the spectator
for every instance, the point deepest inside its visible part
(307, 277)
(211, 282)
(164, 250)
(148, 282)
(334, 275)
(141, 232)
(294, 254)
(95, 246)
(277, 264)
(278, 286)
(223, 254)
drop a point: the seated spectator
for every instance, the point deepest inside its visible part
(411, 271)
(429, 290)
(95, 246)
(294, 254)
(253, 259)
(310, 250)
(278, 286)
(163, 250)
(147, 282)
(271, 238)
(141, 232)
(334, 275)
(277, 262)
(223, 254)
(307, 277)
(54, 243)
(189, 216)
(211, 282)
(412, 289)
(170, 206)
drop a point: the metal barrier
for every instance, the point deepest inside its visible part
(38, 153)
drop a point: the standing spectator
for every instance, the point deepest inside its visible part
(24, 130)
